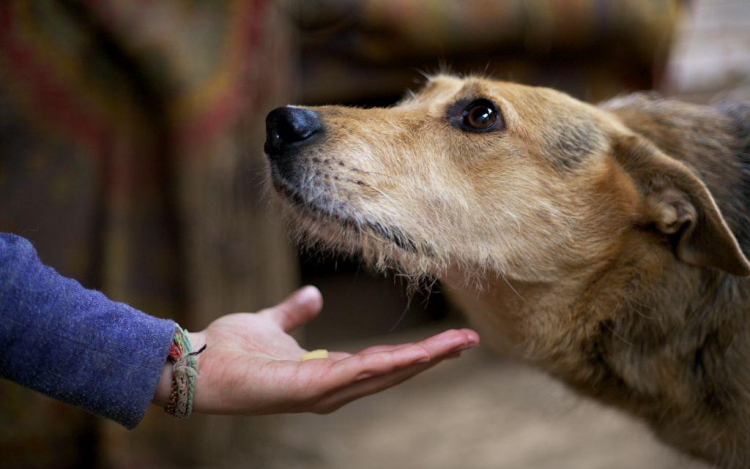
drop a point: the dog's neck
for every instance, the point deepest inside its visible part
(528, 320)
(609, 337)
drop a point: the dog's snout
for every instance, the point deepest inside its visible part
(288, 127)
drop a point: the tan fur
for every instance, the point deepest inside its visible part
(594, 242)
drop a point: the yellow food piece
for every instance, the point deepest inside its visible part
(320, 353)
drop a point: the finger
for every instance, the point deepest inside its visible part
(374, 349)
(450, 341)
(473, 336)
(384, 348)
(370, 386)
(436, 345)
(302, 306)
(338, 372)
(364, 365)
(338, 355)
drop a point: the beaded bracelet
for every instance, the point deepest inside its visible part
(184, 372)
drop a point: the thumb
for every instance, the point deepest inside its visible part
(300, 307)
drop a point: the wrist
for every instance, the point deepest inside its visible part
(197, 340)
(164, 385)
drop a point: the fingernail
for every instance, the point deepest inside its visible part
(306, 292)
(472, 336)
(423, 360)
(309, 295)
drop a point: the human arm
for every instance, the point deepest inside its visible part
(77, 346)
(74, 344)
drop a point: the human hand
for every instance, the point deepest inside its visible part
(252, 365)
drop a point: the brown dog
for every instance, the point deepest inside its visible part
(599, 243)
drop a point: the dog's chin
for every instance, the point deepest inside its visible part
(318, 208)
(323, 223)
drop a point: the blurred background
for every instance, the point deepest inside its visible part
(131, 136)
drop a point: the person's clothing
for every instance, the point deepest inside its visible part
(74, 344)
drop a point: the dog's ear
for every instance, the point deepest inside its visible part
(678, 204)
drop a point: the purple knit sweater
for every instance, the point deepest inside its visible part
(74, 344)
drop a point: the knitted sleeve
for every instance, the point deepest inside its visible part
(74, 344)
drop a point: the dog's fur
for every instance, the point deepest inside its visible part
(602, 244)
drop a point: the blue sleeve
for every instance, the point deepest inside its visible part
(74, 344)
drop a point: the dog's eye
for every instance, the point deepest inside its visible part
(480, 115)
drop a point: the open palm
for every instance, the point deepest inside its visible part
(252, 365)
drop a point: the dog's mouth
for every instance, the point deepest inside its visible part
(321, 208)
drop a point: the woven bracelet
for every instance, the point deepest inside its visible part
(184, 372)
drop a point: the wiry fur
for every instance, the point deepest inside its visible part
(598, 243)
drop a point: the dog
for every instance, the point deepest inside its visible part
(603, 244)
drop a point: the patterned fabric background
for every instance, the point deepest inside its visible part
(592, 48)
(131, 154)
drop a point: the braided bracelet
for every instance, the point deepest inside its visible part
(184, 372)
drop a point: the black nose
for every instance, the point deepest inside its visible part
(288, 127)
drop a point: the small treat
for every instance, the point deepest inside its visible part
(320, 353)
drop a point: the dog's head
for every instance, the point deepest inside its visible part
(479, 174)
